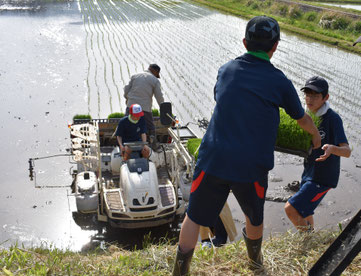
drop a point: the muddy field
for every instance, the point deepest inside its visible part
(62, 58)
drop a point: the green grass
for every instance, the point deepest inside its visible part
(341, 32)
(286, 254)
(291, 136)
(116, 115)
(82, 116)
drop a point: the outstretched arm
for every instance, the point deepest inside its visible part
(158, 93)
(307, 124)
(342, 149)
(119, 139)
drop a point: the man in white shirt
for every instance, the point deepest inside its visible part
(141, 89)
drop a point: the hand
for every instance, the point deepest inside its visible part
(122, 149)
(316, 140)
(328, 151)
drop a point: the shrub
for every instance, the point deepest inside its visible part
(357, 27)
(283, 10)
(340, 23)
(82, 117)
(310, 16)
(116, 115)
(249, 3)
(295, 12)
(254, 6)
(267, 3)
(326, 21)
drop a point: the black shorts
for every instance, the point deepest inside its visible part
(209, 194)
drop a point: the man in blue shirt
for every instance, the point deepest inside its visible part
(237, 150)
(132, 128)
(322, 167)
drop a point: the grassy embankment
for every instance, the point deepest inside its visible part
(288, 254)
(329, 27)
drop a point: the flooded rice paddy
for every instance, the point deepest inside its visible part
(62, 58)
(346, 6)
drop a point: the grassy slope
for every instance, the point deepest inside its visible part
(310, 29)
(288, 254)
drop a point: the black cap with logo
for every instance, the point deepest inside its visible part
(317, 84)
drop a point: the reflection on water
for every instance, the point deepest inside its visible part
(52, 67)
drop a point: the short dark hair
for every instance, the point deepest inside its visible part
(262, 32)
(154, 67)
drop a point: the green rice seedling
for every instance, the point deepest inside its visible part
(193, 146)
(82, 117)
(291, 136)
(155, 112)
(116, 115)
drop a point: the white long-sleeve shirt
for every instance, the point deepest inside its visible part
(140, 90)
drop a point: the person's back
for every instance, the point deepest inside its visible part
(248, 93)
(141, 89)
(236, 152)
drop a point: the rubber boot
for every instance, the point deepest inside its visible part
(254, 251)
(182, 263)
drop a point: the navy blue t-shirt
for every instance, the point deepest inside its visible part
(326, 172)
(240, 139)
(129, 131)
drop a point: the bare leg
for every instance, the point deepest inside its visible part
(298, 221)
(253, 232)
(189, 235)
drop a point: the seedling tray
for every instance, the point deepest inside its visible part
(300, 153)
(291, 138)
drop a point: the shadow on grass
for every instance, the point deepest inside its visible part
(132, 239)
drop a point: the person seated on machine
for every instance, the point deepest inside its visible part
(132, 128)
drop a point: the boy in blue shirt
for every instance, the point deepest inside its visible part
(132, 128)
(322, 167)
(237, 150)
